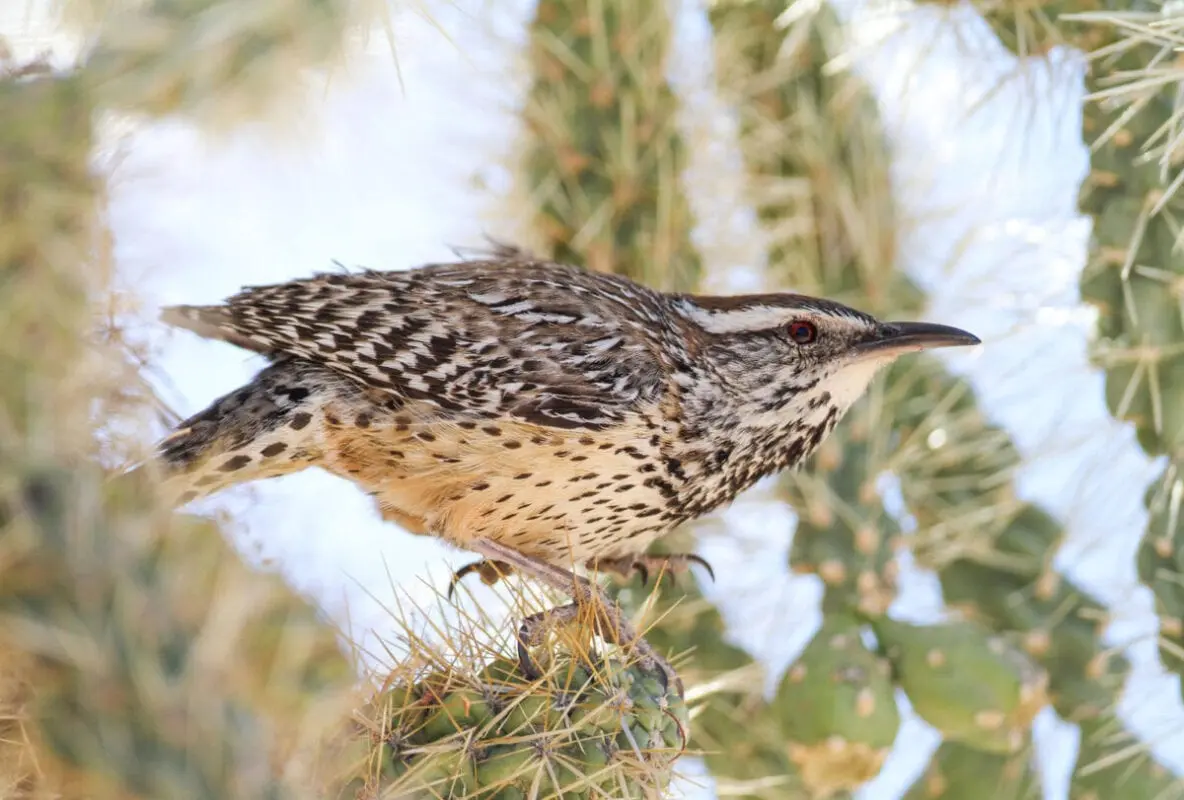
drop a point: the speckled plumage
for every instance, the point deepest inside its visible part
(567, 414)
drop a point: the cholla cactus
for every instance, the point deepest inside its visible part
(156, 662)
(838, 709)
(1007, 582)
(1134, 275)
(811, 145)
(220, 62)
(457, 719)
(973, 686)
(604, 160)
(150, 661)
(960, 772)
(1133, 278)
(1131, 123)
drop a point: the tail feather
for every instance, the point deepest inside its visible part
(270, 427)
(210, 322)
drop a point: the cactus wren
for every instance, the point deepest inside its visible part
(540, 415)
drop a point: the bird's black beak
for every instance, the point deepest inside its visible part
(895, 338)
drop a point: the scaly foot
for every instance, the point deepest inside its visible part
(608, 621)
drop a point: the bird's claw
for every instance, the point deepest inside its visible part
(490, 571)
(608, 625)
(608, 621)
(625, 567)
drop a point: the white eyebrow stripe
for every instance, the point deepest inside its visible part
(741, 319)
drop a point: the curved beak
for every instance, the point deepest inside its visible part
(895, 338)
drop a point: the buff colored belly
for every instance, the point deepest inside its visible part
(558, 495)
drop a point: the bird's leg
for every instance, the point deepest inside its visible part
(489, 570)
(625, 566)
(608, 620)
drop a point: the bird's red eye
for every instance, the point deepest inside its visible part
(802, 332)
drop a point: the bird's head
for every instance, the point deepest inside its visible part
(794, 363)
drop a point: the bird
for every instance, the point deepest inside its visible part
(541, 415)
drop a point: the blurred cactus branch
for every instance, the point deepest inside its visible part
(817, 173)
(1008, 583)
(818, 165)
(967, 773)
(220, 63)
(604, 157)
(1132, 125)
(146, 658)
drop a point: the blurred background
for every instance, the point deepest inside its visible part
(1010, 168)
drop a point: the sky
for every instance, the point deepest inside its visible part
(396, 160)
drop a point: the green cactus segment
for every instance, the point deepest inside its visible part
(814, 149)
(960, 772)
(223, 61)
(838, 709)
(736, 732)
(604, 161)
(581, 732)
(1160, 563)
(1134, 272)
(843, 534)
(1112, 763)
(1135, 276)
(992, 552)
(1132, 278)
(1059, 627)
(970, 684)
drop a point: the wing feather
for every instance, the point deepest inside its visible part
(537, 342)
